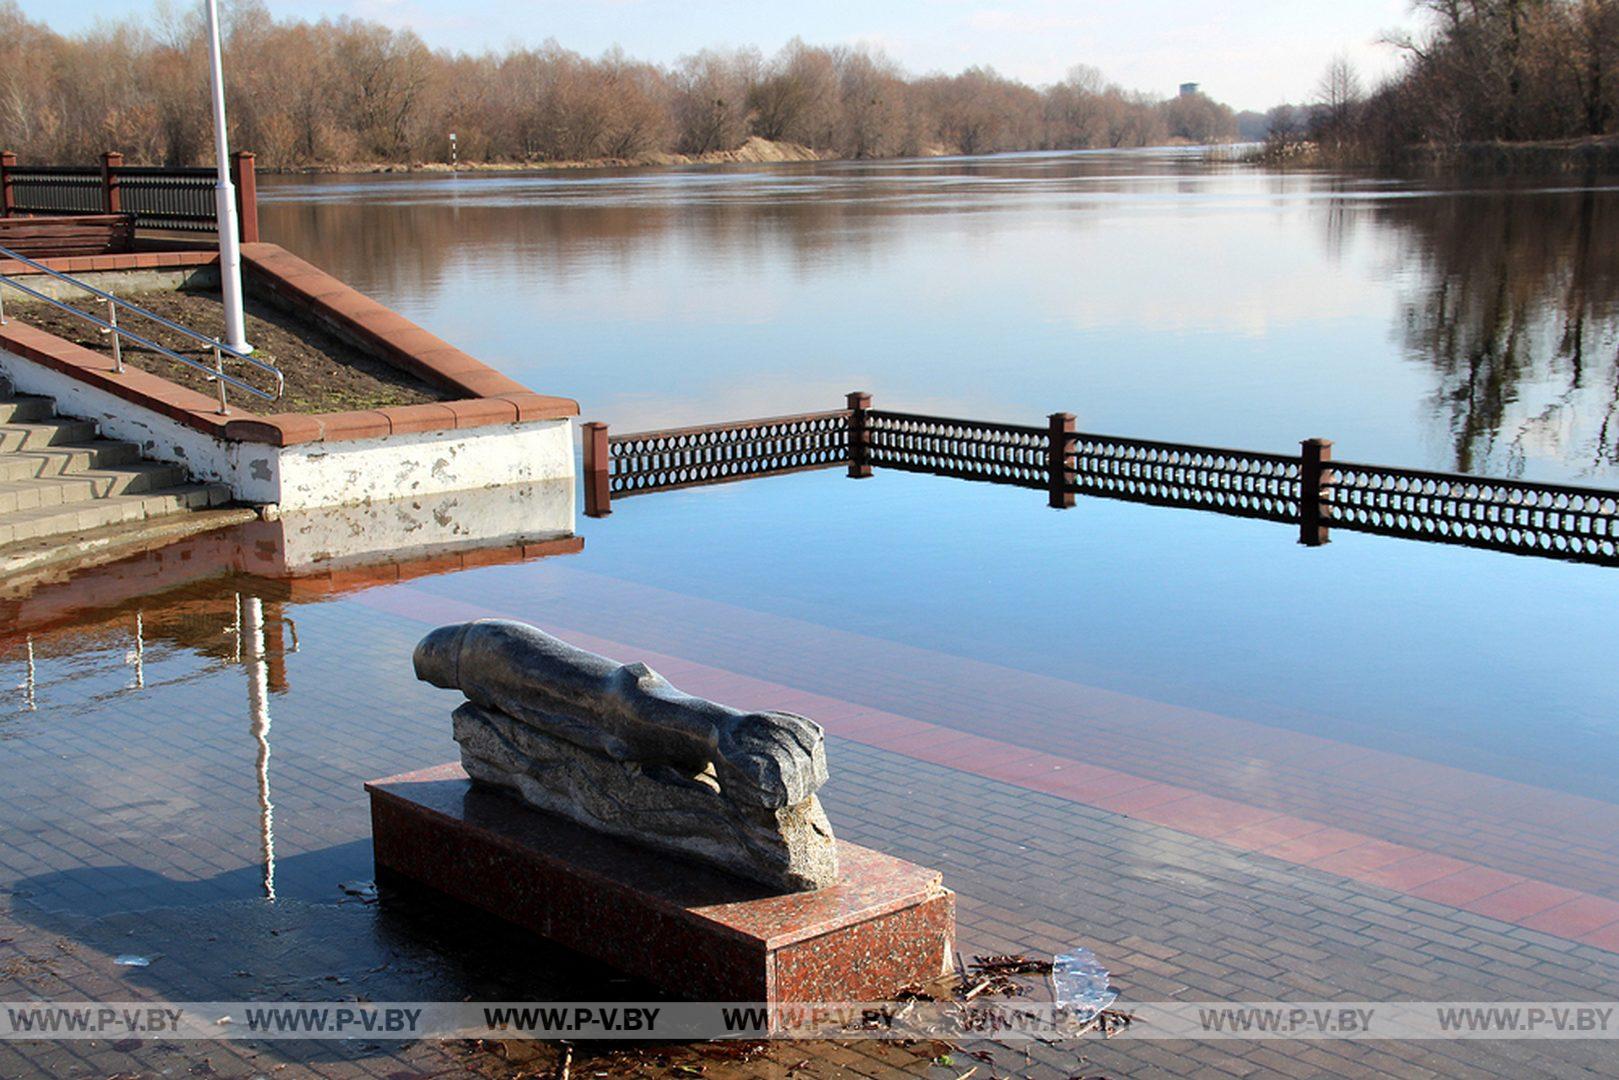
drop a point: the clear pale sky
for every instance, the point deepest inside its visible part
(1247, 53)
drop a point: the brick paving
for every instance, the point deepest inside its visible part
(130, 821)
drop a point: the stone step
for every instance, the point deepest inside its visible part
(15, 437)
(137, 478)
(112, 510)
(25, 409)
(66, 459)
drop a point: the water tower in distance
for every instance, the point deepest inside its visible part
(1189, 89)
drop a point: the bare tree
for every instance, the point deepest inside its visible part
(1075, 115)
(352, 91)
(383, 74)
(796, 98)
(711, 99)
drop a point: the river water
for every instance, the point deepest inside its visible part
(1234, 766)
(1468, 327)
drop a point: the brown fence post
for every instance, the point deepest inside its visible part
(598, 496)
(1059, 474)
(8, 197)
(1315, 487)
(111, 199)
(247, 195)
(859, 440)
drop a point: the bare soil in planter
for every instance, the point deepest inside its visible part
(321, 373)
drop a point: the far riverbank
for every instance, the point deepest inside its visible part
(756, 151)
(1589, 155)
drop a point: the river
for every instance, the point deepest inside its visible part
(1458, 326)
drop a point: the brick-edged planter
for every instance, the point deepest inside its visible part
(494, 431)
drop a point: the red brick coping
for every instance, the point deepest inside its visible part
(487, 397)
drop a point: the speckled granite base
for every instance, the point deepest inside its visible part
(696, 932)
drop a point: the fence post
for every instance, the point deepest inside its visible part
(8, 197)
(859, 404)
(598, 496)
(1315, 486)
(111, 199)
(247, 194)
(1058, 473)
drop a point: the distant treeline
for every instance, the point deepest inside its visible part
(1479, 72)
(350, 91)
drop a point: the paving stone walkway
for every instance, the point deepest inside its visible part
(144, 819)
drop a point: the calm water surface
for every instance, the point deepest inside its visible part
(1460, 702)
(1469, 327)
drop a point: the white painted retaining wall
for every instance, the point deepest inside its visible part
(317, 474)
(403, 529)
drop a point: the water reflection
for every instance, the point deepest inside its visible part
(1152, 293)
(28, 687)
(258, 707)
(1514, 303)
(137, 656)
(210, 629)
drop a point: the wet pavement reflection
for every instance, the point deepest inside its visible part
(184, 743)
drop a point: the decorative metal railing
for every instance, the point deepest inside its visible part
(178, 199)
(1508, 515)
(181, 200)
(54, 189)
(1309, 489)
(967, 449)
(1239, 482)
(717, 453)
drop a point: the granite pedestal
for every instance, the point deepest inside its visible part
(697, 932)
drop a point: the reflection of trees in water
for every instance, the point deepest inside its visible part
(405, 235)
(1516, 308)
(408, 248)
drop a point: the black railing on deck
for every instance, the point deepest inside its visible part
(1309, 489)
(54, 189)
(181, 200)
(170, 198)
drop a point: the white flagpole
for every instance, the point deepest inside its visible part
(230, 252)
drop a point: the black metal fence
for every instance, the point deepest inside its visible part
(1308, 489)
(54, 189)
(181, 200)
(686, 457)
(1508, 515)
(175, 199)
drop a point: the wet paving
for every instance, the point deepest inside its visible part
(183, 748)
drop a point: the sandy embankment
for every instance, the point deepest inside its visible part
(755, 150)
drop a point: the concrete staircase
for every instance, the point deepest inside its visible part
(59, 478)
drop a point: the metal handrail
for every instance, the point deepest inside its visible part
(216, 373)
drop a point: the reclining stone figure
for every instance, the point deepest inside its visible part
(617, 748)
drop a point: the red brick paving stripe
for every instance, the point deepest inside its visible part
(1465, 885)
(1583, 915)
(1512, 898)
(1519, 902)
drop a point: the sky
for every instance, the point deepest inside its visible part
(1246, 53)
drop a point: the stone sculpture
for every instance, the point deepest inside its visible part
(618, 749)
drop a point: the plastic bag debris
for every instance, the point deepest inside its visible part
(1080, 982)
